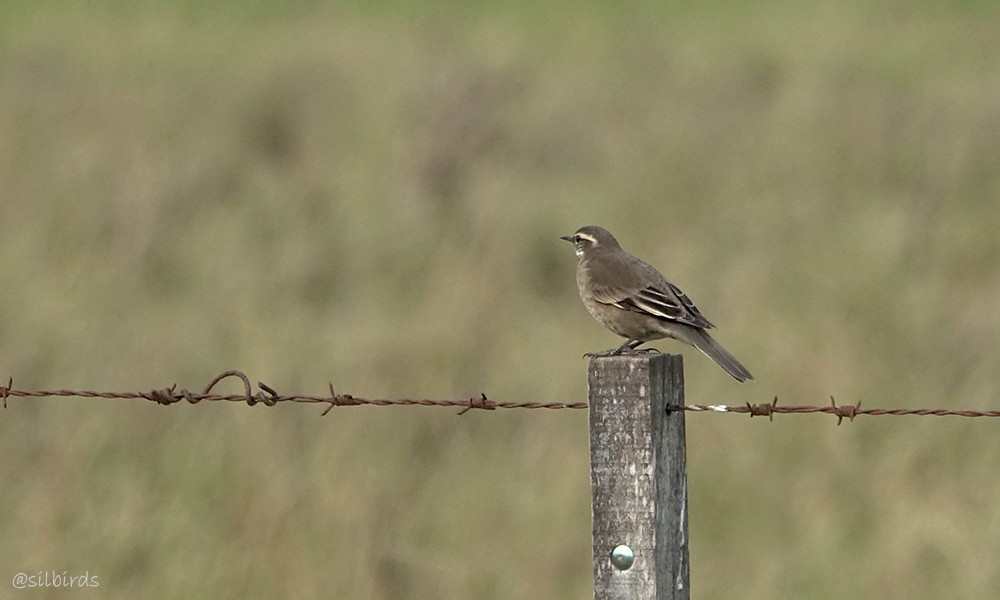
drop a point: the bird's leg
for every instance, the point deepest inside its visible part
(629, 347)
(632, 347)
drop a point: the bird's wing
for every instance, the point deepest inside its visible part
(666, 302)
(662, 300)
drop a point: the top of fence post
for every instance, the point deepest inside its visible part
(638, 477)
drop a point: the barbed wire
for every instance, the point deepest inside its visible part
(842, 412)
(269, 397)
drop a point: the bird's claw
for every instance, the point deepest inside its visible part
(602, 353)
(620, 351)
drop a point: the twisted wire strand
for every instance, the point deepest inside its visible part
(269, 397)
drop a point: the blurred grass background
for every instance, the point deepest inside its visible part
(371, 194)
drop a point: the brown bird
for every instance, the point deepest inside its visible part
(634, 300)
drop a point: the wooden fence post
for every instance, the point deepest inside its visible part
(638, 478)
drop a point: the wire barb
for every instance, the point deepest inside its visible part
(6, 390)
(163, 396)
(481, 402)
(763, 410)
(849, 411)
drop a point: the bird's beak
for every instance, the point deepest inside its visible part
(568, 238)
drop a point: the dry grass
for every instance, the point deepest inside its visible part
(375, 200)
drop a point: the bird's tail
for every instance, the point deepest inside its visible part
(712, 349)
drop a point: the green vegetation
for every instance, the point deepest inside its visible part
(372, 196)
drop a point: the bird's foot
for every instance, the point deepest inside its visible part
(643, 351)
(611, 352)
(626, 348)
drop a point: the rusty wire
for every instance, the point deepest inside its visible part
(848, 411)
(269, 397)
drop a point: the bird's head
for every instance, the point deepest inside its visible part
(591, 238)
